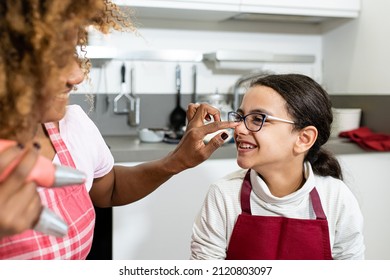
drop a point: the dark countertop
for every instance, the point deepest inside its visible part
(131, 149)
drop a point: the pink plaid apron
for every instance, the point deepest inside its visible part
(72, 203)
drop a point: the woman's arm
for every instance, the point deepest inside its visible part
(123, 185)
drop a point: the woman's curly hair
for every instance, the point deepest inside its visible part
(36, 43)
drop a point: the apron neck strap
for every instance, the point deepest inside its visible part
(246, 189)
(316, 203)
(59, 145)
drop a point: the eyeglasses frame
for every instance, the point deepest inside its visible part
(264, 115)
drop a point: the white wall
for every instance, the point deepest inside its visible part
(158, 77)
(356, 54)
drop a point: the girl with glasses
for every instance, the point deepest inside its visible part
(38, 71)
(288, 201)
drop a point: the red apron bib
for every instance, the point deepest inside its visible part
(71, 203)
(273, 238)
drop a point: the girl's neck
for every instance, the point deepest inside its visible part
(282, 183)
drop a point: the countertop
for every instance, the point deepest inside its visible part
(131, 149)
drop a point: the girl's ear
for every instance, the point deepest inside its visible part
(306, 138)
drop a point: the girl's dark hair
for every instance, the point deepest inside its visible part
(309, 104)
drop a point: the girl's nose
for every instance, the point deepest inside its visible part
(241, 128)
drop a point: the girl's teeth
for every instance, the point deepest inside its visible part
(246, 146)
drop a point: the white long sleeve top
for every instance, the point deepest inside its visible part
(214, 224)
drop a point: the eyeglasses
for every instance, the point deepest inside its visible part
(254, 121)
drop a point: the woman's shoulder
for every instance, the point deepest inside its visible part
(75, 111)
(77, 128)
(76, 119)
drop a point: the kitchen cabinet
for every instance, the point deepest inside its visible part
(218, 10)
(159, 226)
(367, 175)
(320, 8)
(221, 5)
(205, 10)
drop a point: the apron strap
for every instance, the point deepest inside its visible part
(59, 145)
(246, 189)
(316, 203)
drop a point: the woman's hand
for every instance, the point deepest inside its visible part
(20, 204)
(192, 150)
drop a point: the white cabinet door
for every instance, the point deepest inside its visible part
(197, 10)
(331, 8)
(224, 9)
(368, 177)
(159, 226)
(212, 5)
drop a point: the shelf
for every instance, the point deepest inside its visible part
(100, 55)
(251, 56)
(163, 55)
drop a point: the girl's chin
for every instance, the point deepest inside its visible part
(243, 164)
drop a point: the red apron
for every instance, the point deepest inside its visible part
(273, 238)
(71, 203)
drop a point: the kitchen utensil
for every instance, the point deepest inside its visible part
(51, 224)
(178, 115)
(134, 110)
(132, 104)
(122, 95)
(194, 76)
(45, 173)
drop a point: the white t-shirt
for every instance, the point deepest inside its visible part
(89, 151)
(213, 226)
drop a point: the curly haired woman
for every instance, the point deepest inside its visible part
(38, 69)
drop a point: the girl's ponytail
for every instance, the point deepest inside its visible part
(324, 163)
